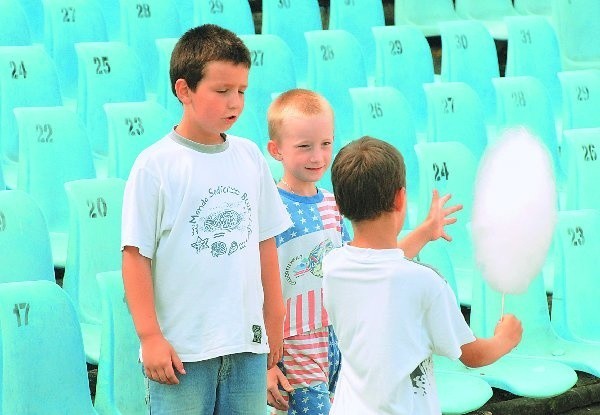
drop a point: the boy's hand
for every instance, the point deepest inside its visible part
(438, 218)
(160, 360)
(510, 330)
(275, 350)
(275, 378)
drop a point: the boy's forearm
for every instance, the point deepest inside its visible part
(412, 243)
(273, 309)
(483, 352)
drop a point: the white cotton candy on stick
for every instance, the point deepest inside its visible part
(514, 211)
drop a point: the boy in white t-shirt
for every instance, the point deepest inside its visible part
(391, 314)
(301, 138)
(200, 267)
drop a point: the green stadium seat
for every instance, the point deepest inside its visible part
(14, 27)
(490, 12)
(424, 15)
(234, 15)
(34, 11)
(535, 7)
(581, 98)
(164, 94)
(579, 155)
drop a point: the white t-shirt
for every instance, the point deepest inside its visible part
(390, 315)
(199, 212)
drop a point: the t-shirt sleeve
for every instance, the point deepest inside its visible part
(272, 215)
(446, 324)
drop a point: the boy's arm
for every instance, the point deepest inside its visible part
(483, 352)
(273, 308)
(159, 357)
(276, 378)
(432, 228)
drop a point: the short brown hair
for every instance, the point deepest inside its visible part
(298, 101)
(366, 175)
(201, 45)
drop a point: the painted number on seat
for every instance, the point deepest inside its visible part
(396, 47)
(216, 6)
(134, 126)
(97, 208)
(68, 14)
(589, 152)
(2, 222)
(44, 133)
(17, 70)
(21, 310)
(376, 110)
(143, 10)
(576, 234)
(440, 171)
(102, 65)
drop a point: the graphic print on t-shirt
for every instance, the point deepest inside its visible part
(421, 378)
(222, 223)
(311, 263)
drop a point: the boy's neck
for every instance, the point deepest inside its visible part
(299, 189)
(378, 233)
(197, 135)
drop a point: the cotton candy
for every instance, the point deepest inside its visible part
(514, 211)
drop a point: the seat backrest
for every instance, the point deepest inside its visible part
(141, 24)
(247, 126)
(185, 9)
(27, 79)
(574, 301)
(234, 15)
(331, 53)
(455, 113)
(581, 98)
(14, 27)
(67, 22)
(133, 126)
(41, 352)
(425, 15)
(53, 149)
(538, 7)
(120, 385)
(24, 240)
(94, 241)
(289, 19)
(111, 10)
(485, 10)
(272, 72)
(579, 153)
(2, 183)
(531, 40)
(108, 72)
(578, 27)
(404, 61)
(358, 17)
(469, 55)
(34, 12)
(164, 94)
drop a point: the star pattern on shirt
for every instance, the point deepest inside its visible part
(305, 218)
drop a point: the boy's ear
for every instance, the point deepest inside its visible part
(400, 199)
(273, 150)
(182, 90)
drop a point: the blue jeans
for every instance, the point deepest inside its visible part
(228, 385)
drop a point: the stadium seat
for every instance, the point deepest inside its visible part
(574, 302)
(469, 55)
(2, 184)
(141, 24)
(289, 20)
(14, 27)
(535, 7)
(41, 353)
(461, 393)
(424, 15)
(234, 15)
(456, 114)
(247, 126)
(581, 98)
(94, 246)
(358, 17)
(67, 23)
(577, 27)
(53, 149)
(34, 11)
(164, 94)
(272, 71)
(30, 81)
(108, 72)
(383, 112)
(579, 155)
(185, 9)
(404, 61)
(531, 40)
(24, 239)
(111, 10)
(133, 126)
(490, 12)
(120, 387)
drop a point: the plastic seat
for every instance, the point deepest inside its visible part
(234, 15)
(579, 154)
(185, 9)
(164, 94)
(24, 239)
(120, 386)
(358, 18)
(383, 112)
(536, 7)
(54, 149)
(111, 10)
(330, 54)
(41, 352)
(574, 303)
(490, 12)
(143, 23)
(404, 61)
(247, 126)
(469, 55)
(67, 23)
(531, 40)
(456, 114)
(578, 27)
(2, 184)
(14, 27)
(34, 11)
(581, 98)
(272, 71)
(108, 72)
(94, 246)
(424, 15)
(133, 126)
(30, 81)
(289, 20)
